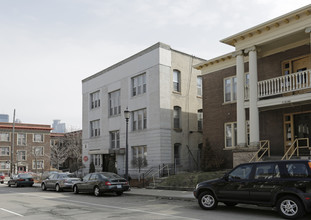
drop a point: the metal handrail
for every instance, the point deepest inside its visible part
(263, 146)
(160, 169)
(295, 148)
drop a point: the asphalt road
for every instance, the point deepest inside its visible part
(32, 203)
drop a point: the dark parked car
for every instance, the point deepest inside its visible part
(285, 185)
(2, 177)
(59, 181)
(21, 179)
(99, 183)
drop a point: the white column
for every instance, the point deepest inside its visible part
(240, 75)
(253, 109)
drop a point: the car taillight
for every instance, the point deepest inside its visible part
(126, 183)
(309, 164)
(21, 180)
(31, 179)
(107, 183)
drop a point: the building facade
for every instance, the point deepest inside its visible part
(163, 92)
(30, 146)
(260, 94)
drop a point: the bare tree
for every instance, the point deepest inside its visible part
(59, 153)
(73, 144)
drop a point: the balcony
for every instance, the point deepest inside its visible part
(289, 84)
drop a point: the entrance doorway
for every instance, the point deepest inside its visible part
(296, 125)
(109, 163)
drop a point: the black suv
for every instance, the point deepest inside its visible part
(285, 185)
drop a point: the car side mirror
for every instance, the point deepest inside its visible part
(226, 177)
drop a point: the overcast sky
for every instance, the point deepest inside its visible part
(48, 46)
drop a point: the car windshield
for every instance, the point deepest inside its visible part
(110, 175)
(24, 176)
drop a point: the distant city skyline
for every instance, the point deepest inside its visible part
(49, 47)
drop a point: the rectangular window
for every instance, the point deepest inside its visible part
(176, 80)
(95, 128)
(39, 165)
(4, 165)
(21, 139)
(139, 158)
(297, 170)
(199, 86)
(139, 119)
(267, 171)
(38, 151)
(139, 85)
(5, 137)
(114, 103)
(230, 134)
(114, 139)
(177, 113)
(177, 153)
(95, 100)
(96, 160)
(230, 87)
(200, 120)
(37, 137)
(4, 151)
(21, 155)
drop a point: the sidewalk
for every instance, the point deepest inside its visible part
(159, 193)
(162, 193)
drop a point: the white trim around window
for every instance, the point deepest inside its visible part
(230, 89)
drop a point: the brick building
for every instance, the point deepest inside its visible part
(31, 147)
(259, 95)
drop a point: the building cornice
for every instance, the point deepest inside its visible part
(269, 26)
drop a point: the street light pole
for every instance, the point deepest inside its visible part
(127, 116)
(12, 146)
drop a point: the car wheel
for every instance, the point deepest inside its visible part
(9, 185)
(43, 187)
(57, 188)
(75, 189)
(290, 207)
(230, 203)
(96, 191)
(207, 200)
(119, 193)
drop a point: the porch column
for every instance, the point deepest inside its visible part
(241, 124)
(253, 109)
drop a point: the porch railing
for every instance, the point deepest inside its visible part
(284, 84)
(296, 147)
(264, 147)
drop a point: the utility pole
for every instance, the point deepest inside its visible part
(12, 146)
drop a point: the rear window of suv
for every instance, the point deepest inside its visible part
(297, 170)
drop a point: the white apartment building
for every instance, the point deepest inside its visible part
(163, 92)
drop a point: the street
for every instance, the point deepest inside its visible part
(33, 203)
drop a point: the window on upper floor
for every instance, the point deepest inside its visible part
(4, 136)
(176, 81)
(199, 86)
(114, 103)
(95, 100)
(95, 128)
(4, 151)
(38, 151)
(177, 117)
(21, 139)
(114, 139)
(139, 119)
(230, 86)
(200, 120)
(37, 137)
(139, 85)
(21, 155)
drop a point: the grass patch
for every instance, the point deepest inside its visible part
(190, 180)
